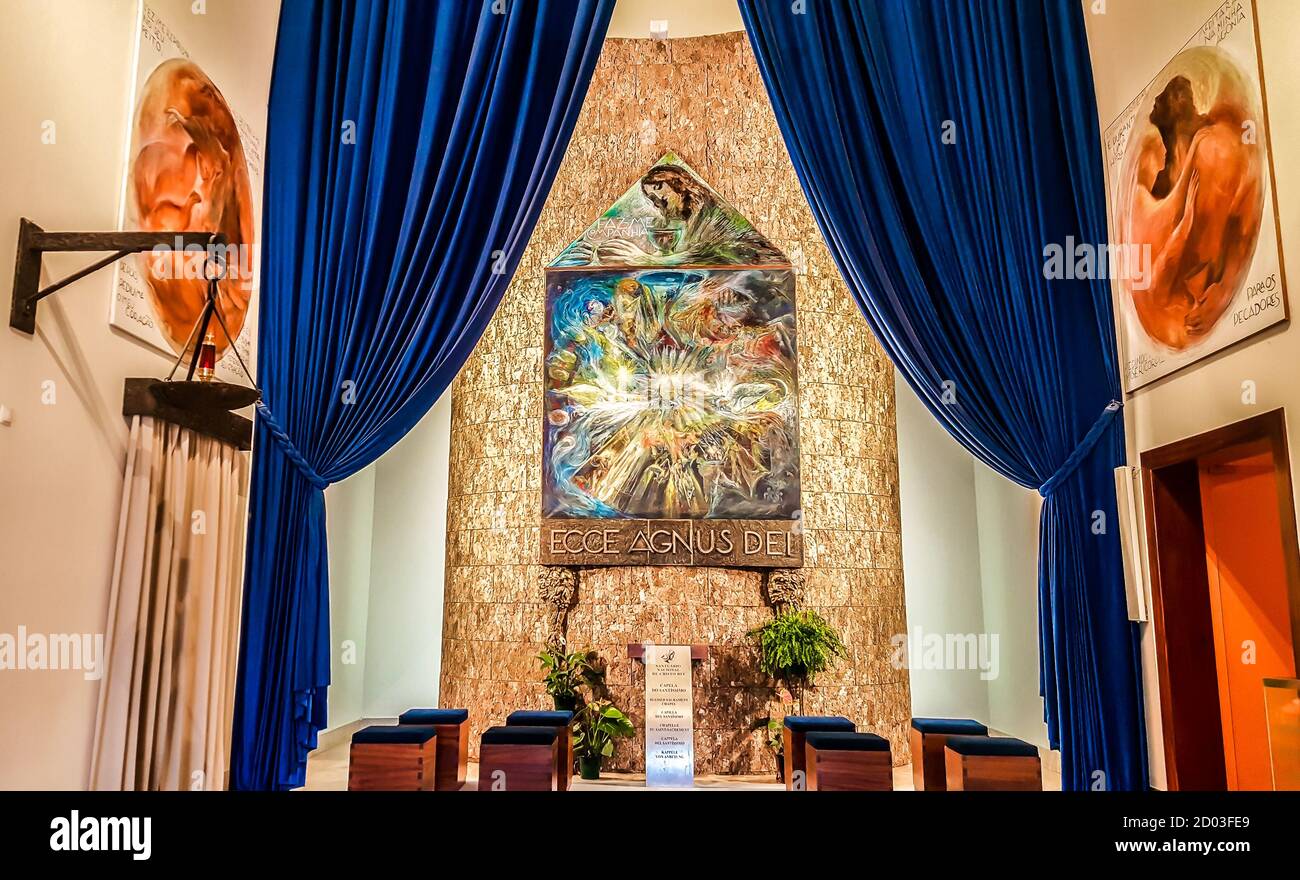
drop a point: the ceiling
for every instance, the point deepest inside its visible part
(686, 18)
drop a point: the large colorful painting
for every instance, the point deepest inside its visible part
(1192, 205)
(671, 388)
(671, 394)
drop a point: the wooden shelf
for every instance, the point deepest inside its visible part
(636, 651)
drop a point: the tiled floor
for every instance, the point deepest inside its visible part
(327, 770)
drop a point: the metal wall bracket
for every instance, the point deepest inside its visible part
(139, 399)
(33, 242)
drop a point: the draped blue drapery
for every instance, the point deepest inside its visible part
(410, 148)
(943, 146)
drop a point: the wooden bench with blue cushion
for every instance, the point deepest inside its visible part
(452, 726)
(519, 758)
(992, 763)
(838, 760)
(928, 735)
(558, 719)
(793, 731)
(393, 758)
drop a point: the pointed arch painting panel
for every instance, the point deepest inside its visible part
(670, 429)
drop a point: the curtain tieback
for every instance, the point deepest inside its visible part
(1071, 464)
(290, 451)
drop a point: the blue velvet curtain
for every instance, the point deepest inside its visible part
(410, 148)
(943, 145)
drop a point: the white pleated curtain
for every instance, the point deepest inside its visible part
(173, 618)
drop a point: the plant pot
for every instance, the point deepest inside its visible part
(565, 704)
(780, 768)
(589, 766)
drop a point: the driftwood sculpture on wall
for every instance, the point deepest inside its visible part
(557, 587)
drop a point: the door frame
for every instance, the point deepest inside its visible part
(1269, 427)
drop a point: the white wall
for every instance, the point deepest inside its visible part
(349, 525)
(69, 63)
(1008, 539)
(1209, 394)
(387, 536)
(404, 653)
(970, 565)
(941, 554)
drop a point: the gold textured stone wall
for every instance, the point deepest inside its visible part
(702, 98)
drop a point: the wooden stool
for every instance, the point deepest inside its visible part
(792, 743)
(388, 758)
(452, 726)
(519, 759)
(929, 772)
(992, 763)
(840, 761)
(558, 719)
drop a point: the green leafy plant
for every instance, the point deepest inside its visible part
(775, 739)
(594, 730)
(777, 710)
(565, 673)
(796, 645)
(776, 744)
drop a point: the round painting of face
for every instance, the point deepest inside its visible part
(1191, 195)
(188, 173)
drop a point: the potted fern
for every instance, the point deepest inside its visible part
(796, 645)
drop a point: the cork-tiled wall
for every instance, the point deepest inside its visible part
(703, 99)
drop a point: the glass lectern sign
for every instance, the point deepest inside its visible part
(669, 712)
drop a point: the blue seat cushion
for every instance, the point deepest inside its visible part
(433, 716)
(404, 734)
(956, 726)
(529, 718)
(804, 723)
(991, 745)
(520, 735)
(843, 741)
